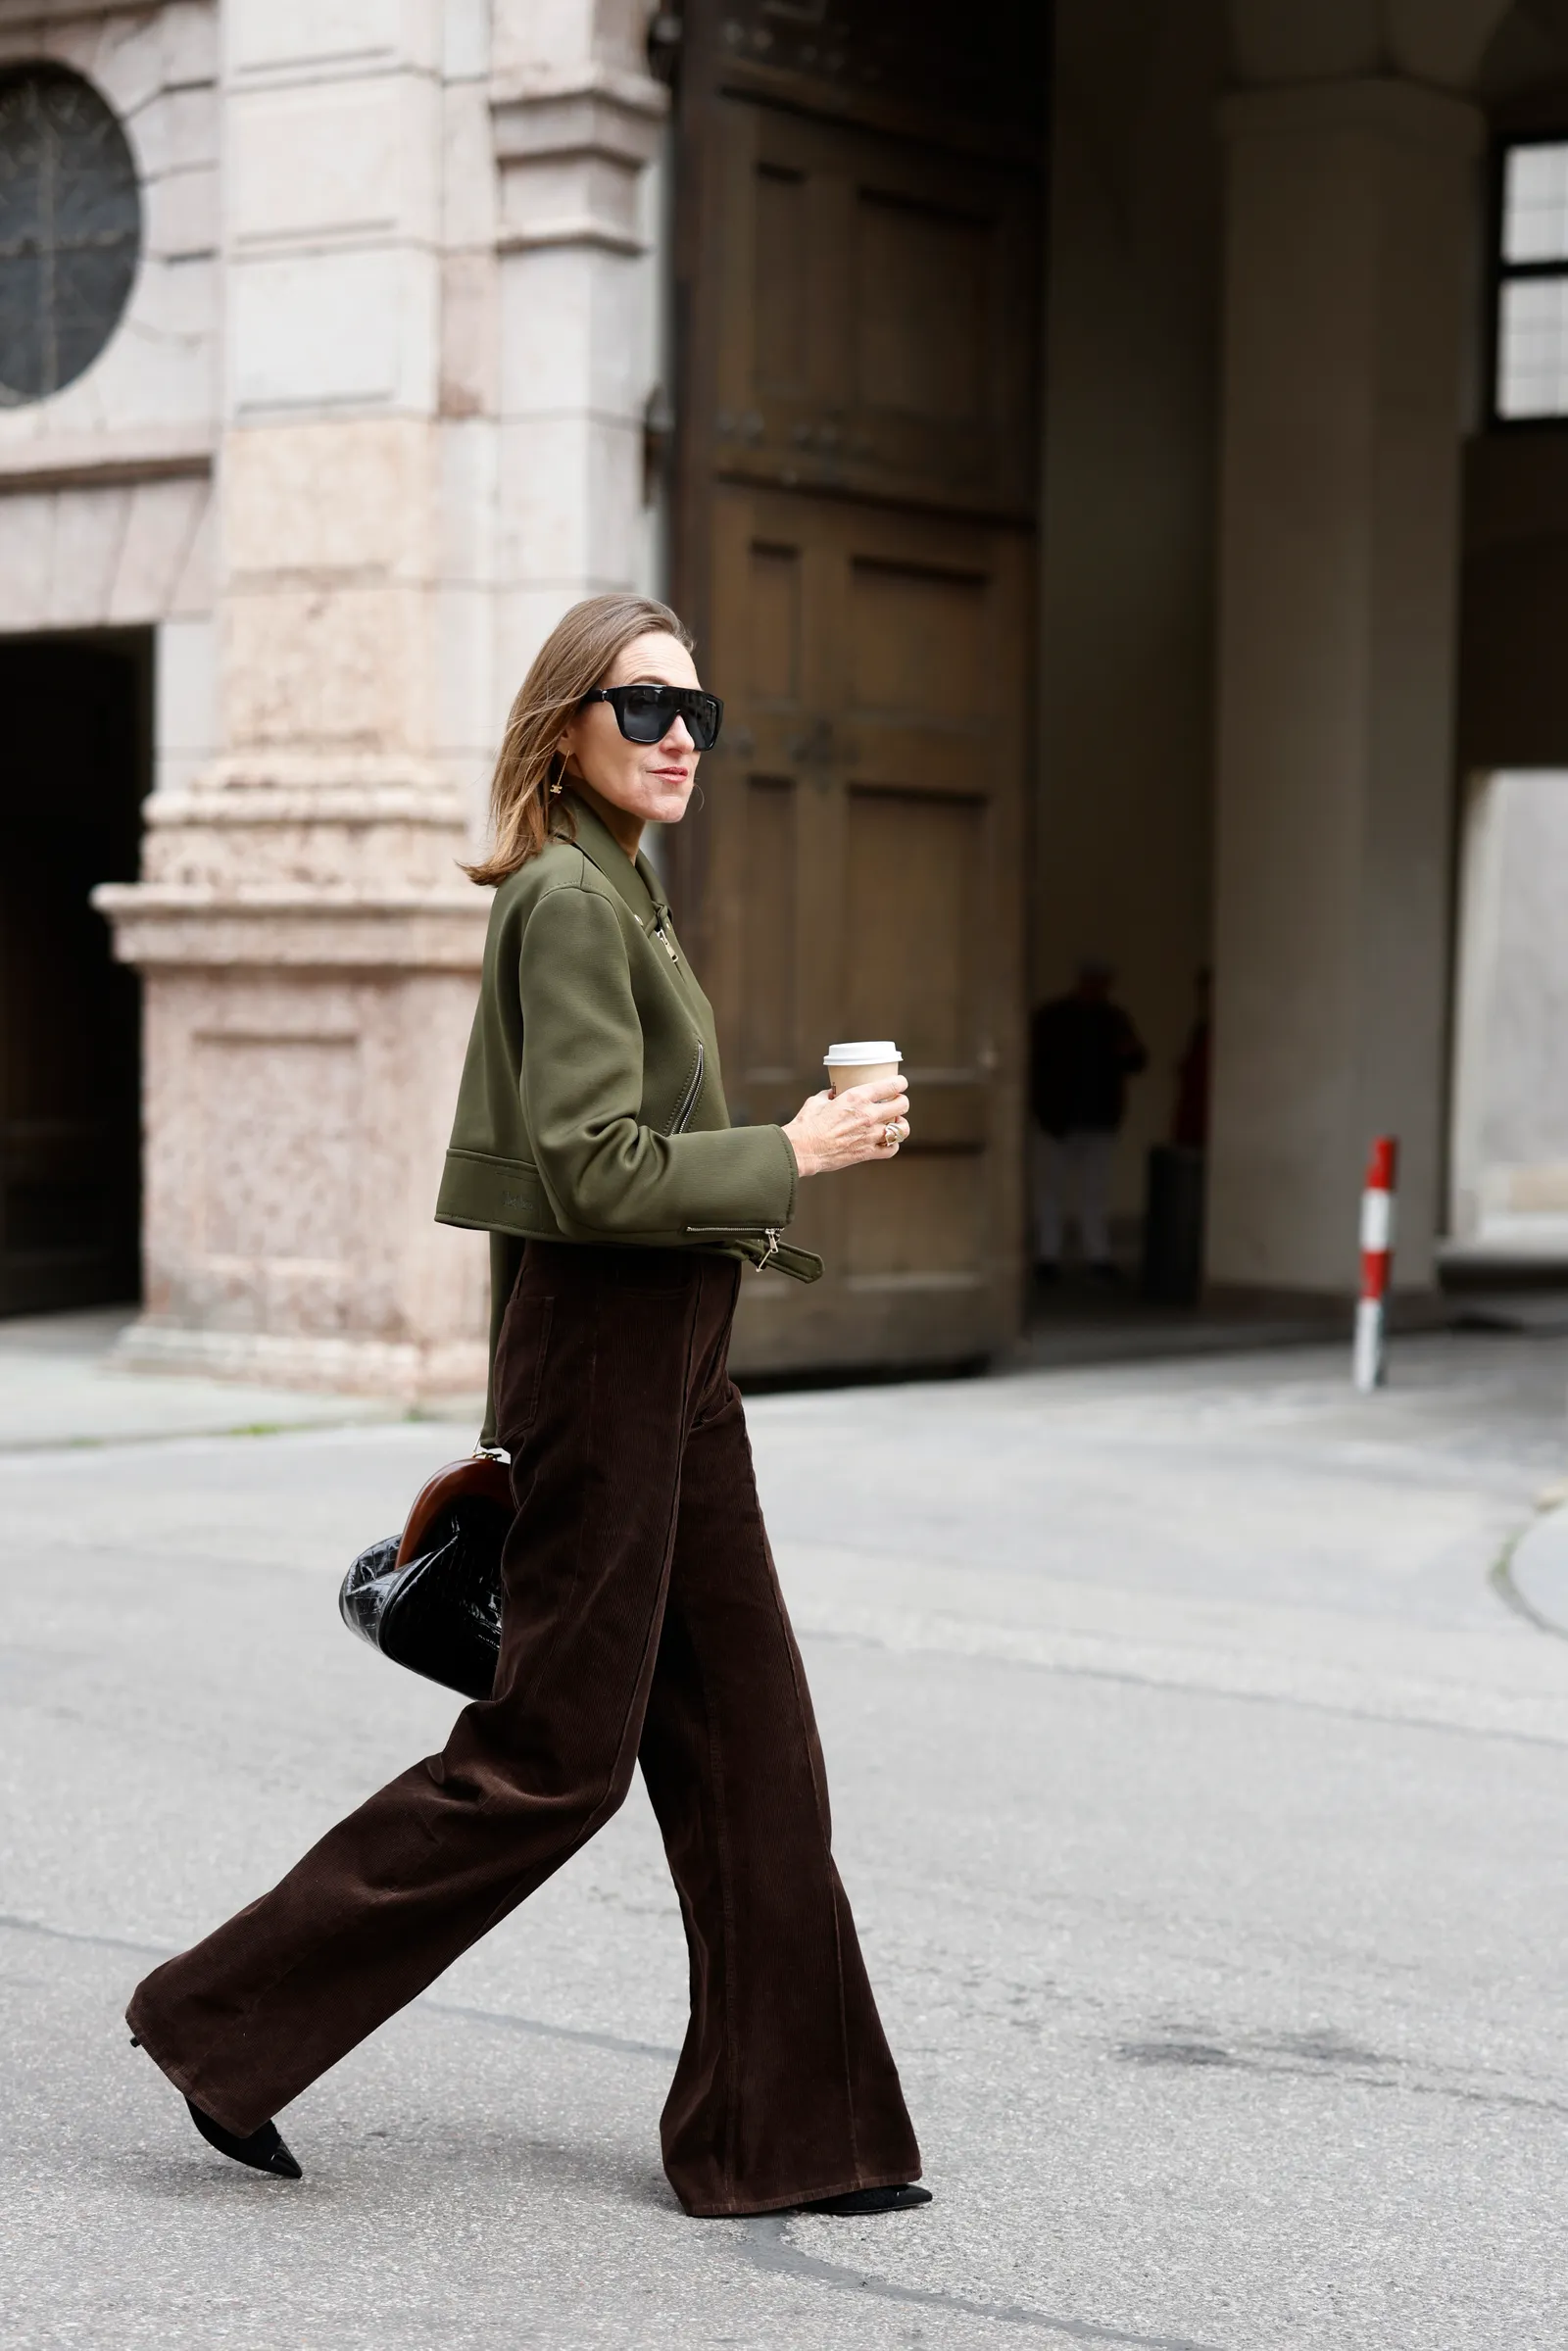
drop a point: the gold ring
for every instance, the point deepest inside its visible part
(893, 1134)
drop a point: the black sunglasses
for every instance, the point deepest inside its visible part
(646, 713)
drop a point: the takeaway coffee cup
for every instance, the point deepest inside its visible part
(857, 1063)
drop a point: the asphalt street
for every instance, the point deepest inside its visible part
(1198, 1738)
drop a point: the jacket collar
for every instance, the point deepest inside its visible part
(637, 883)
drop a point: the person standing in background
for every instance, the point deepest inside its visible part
(1082, 1049)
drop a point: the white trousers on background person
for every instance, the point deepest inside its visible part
(1073, 1173)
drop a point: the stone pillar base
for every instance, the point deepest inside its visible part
(303, 1054)
(448, 1373)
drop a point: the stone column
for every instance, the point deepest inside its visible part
(579, 118)
(1350, 286)
(309, 946)
(439, 293)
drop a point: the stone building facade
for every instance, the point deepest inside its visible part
(1096, 564)
(372, 416)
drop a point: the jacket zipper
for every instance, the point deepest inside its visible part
(689, 1101)
(750, 1232)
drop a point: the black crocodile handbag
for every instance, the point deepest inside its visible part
(430, 1597)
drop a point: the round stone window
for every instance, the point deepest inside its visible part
(69, 229)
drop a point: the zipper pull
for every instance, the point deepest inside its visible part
(660, 911)
(771, 1250)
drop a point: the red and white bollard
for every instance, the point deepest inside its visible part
(1377, 1262)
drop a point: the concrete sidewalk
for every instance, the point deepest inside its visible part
(1200, 1794)
(61, 1385)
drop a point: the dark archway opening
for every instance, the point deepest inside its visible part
(75, 747)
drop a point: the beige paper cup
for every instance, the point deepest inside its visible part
(859, 1063)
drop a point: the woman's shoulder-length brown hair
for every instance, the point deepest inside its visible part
(576, 655)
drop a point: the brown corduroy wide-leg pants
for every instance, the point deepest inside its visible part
(643, 1623)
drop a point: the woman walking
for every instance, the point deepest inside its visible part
(643, 1621)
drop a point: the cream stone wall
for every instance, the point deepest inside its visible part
(578, 123)
(105, 489)
(149, 399)
(1353, 204)
(303, 933)
(376, 415)
(439, 334)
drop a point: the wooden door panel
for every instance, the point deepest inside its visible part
(858, 458)
(917, 639)
(770, 1026)
(922, 292)
(863, 818)
(917, 1227)
(915, 906)
(773, 601)
(781, 239)
(875, 292)
(913, 903)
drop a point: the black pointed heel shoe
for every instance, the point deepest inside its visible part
(872, 2199)
(263, 2151)
(266, 2150)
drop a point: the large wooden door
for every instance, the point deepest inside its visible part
(858, 458)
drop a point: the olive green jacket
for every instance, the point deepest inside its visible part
(592, 1108)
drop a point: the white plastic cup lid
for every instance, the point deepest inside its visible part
(865, 1049)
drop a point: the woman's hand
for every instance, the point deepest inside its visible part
(840, 1130)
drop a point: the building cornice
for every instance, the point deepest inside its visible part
(102, 461)
(535, 106)
(572, 148)
(204, 926)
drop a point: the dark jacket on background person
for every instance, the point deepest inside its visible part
(1082, 1051)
